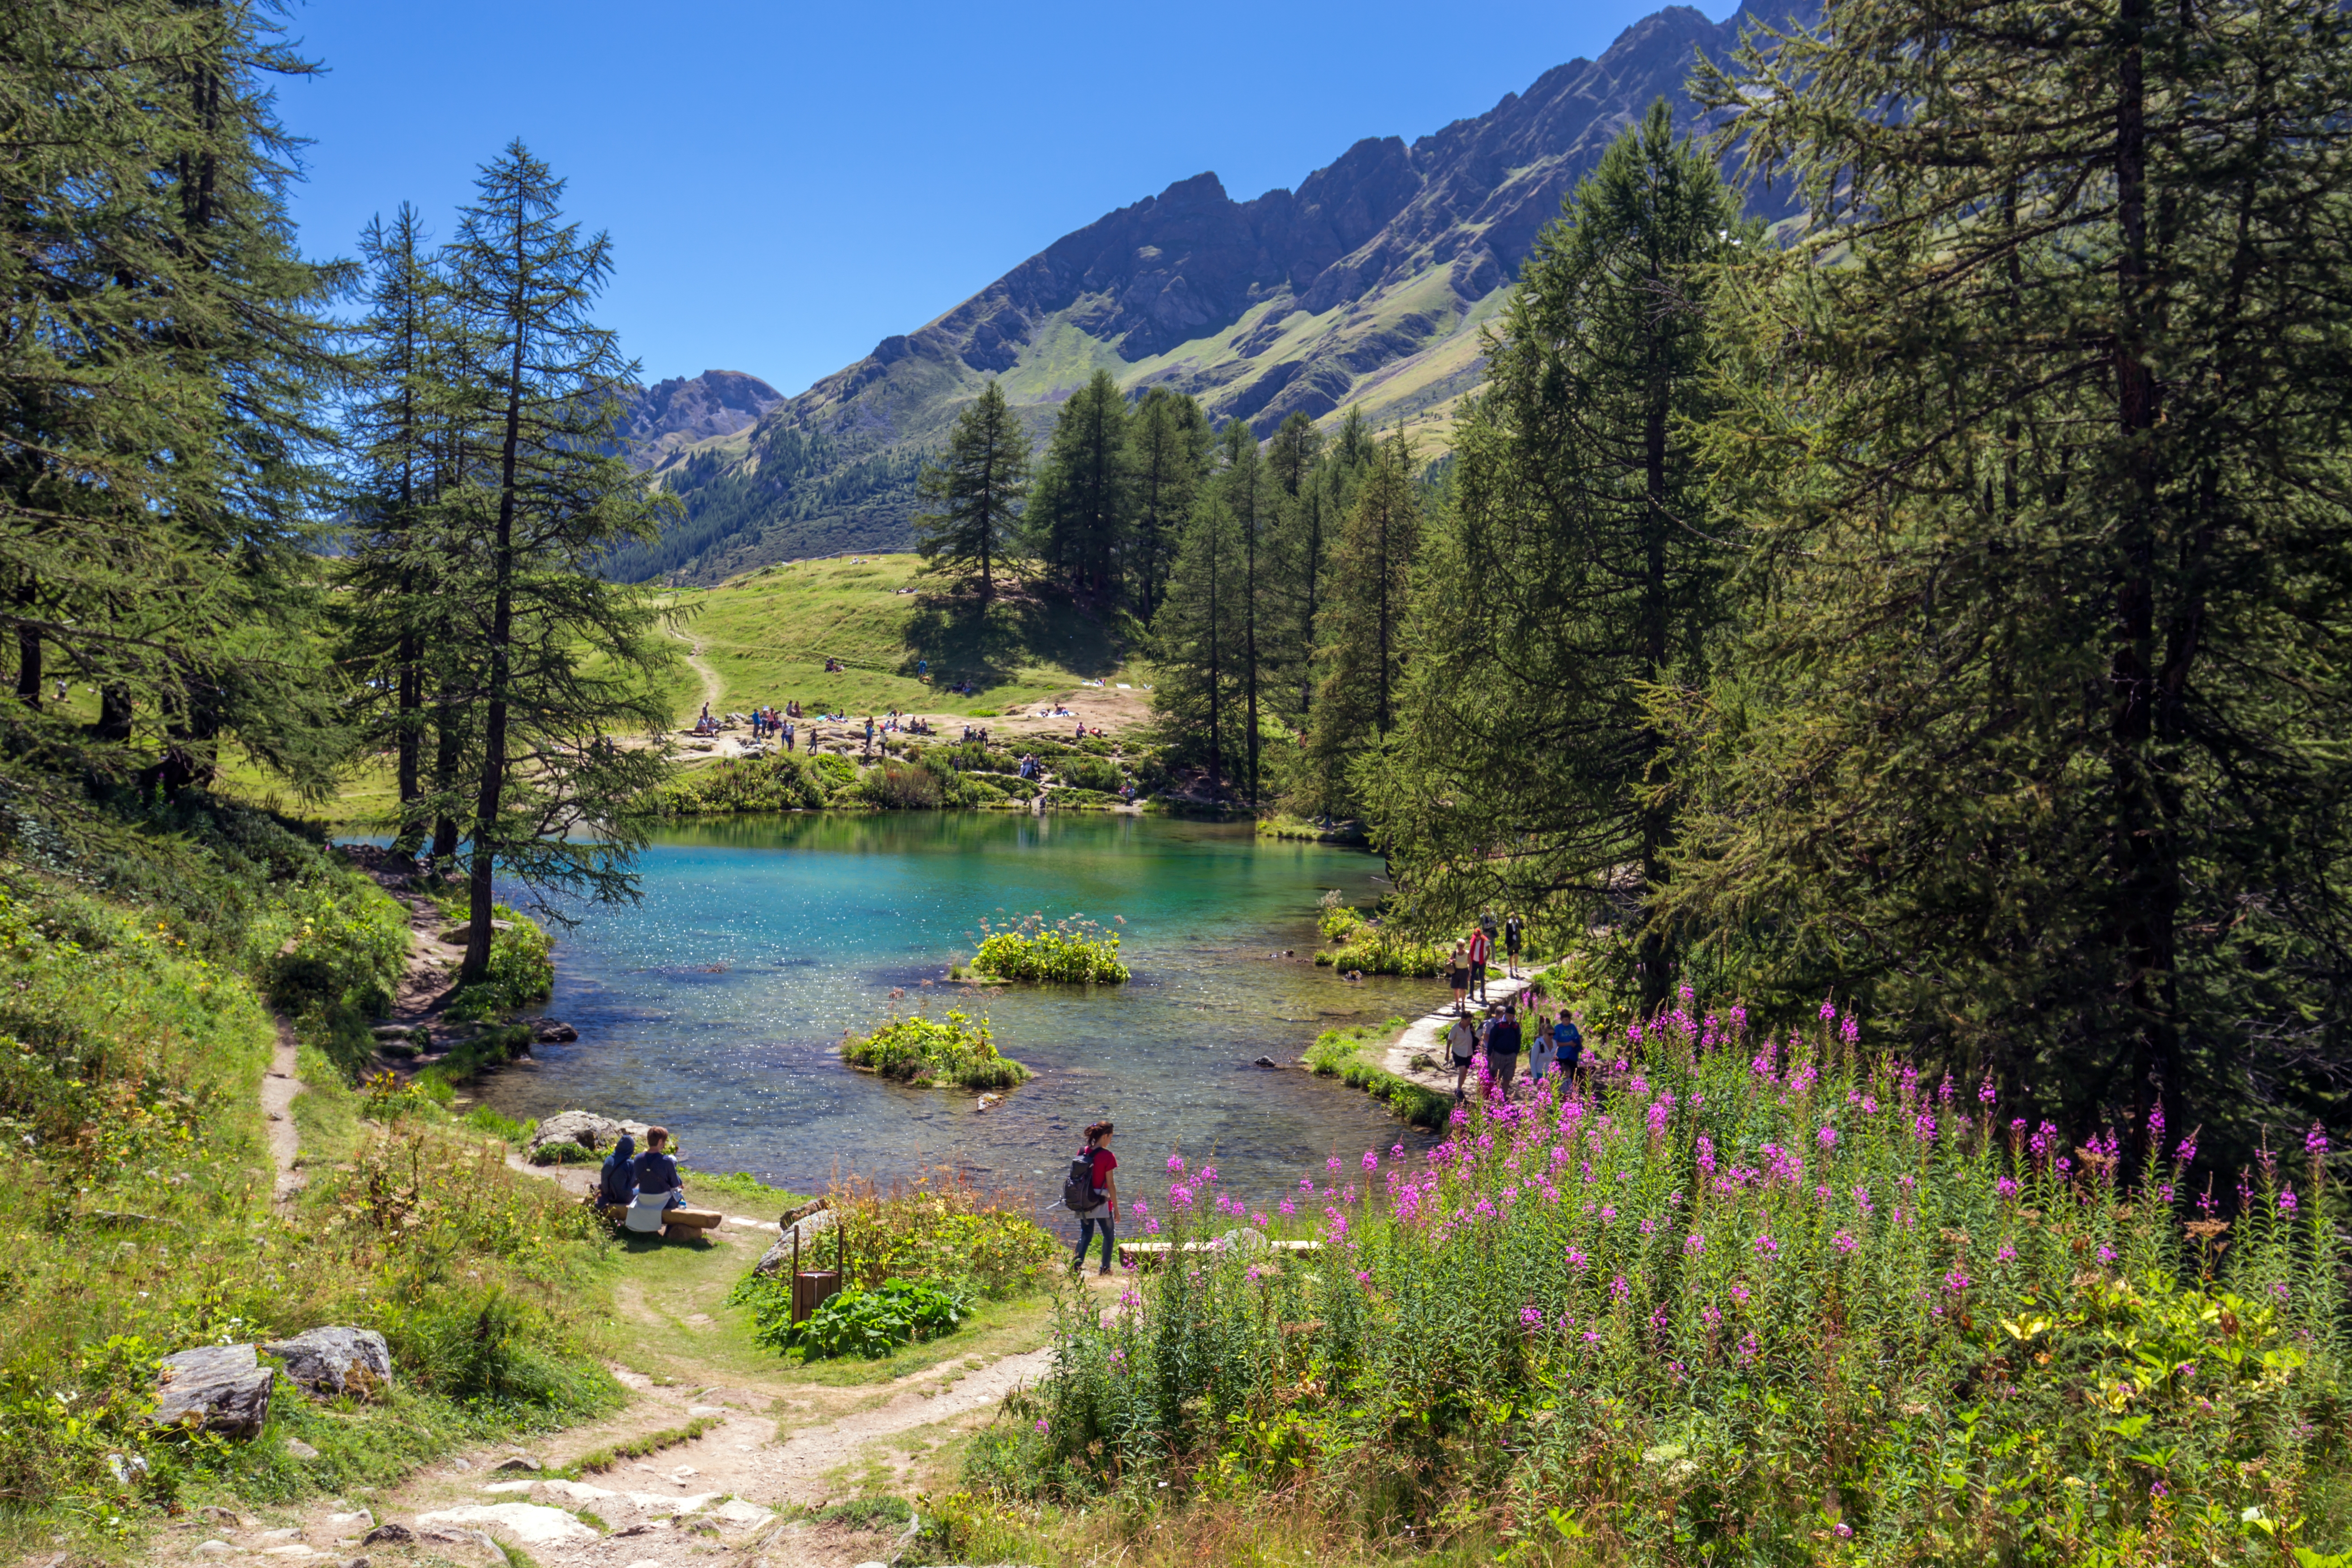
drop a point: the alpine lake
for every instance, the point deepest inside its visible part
(716, 1006)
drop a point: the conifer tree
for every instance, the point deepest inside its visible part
(2039, 734)
(1246, 494)
(560, 656)
(1200, 641)
(1579, 563)
(160, 366)
(400, 579)
(1361, 658)
(1168, 453)
(1294, 460)
(978, 487)
(1078, 518)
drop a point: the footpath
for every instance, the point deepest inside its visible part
(1423, 1039)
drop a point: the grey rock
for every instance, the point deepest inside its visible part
(391, 1534)
(584, 1128)
(550, 1031)
(220, 1388)
(355, 1562)
(299, 1449)
(329, 1361)
(516, 1462)
(1267, 1062)
(460, 1462)
(778, 1258)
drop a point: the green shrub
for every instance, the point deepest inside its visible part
(521, 972)
(1097, 774)
(836, 773)
(1073, 952)
(944, 1230)
(1741, 1300)
(901, 786)
(1338, 1053)
(867, 1323)
(783, 781)
(1372, 947)
(921, 1051)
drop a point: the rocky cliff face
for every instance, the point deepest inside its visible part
(1366, 286)
(672, 414)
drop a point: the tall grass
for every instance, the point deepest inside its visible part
(1732, 1298)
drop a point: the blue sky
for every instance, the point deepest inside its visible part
(787, 183)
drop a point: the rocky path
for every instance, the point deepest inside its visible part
(713, 688)
(279, 1085)
(1424, 1038)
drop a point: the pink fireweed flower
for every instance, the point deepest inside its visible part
(1287, 1207)
(1869, 1105)
(1363, 1277)
(1821, 1194)
(1576, 1259)
(1336, 1227)
(1826, 1138)
(1372, 1161)
(1985, 1097)
(1739, 1294)
(1151, 1225)
(1956, 1283)
(1258, 1220)
(1306, 1183)
(1634, 1032)
(1706, 1154)
(1208, 1173)
(1765, 1246)
(1851, 1029)
(1748, 1347)
(1332, 1164)
(1829, 1010)
(2106, 1255)
(1179, 1196)
(2006, 1186)
(1396, 1150)
(2007, 1253)
(1531, 1317)
(1924, 1128)
(1693, 1243)
(1138, 1209)
(1043, 1424)
(1176, 1164)
(1861, 1199)
(2314, 1142)
(1649, 1228)
(2286, 1201)
(1618, 1289)
(1711, 1316)
(1253, 1273)
(1843, 1242)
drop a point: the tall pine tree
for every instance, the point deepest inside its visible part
(1078, 518)
(560, 655)
(978, 485)
(1168, 453)
(1579, 564)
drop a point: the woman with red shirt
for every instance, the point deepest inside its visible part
(1105, 1210)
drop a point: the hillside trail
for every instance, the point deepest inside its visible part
(713, 688)
(279, 1085)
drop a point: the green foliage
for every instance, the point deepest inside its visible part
(920, 1051)
(977, 487)
(779, 782)
(837, 773)
(1338, 1053)
(1581, 562)
(522, 971)
(1078, 519)
(595, 1461)
(870, 1323)
(1753, 1294)
(1071, 952)
(945, 1231)
(1374, 946)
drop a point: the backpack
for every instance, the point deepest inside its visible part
(1078, 1193)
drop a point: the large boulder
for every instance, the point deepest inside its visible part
(584, 1128)
(526, 1524)
(221, 1388)
(808, 1223)
(330, 1361)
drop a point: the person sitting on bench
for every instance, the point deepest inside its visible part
(616, 1186)
(657, 1173)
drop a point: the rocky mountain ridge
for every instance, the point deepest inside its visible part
(1367, 285)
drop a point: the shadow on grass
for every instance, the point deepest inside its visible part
(1025, 623)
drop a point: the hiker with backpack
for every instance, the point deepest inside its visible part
(1091, 1191)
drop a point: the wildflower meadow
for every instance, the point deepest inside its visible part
(1729, 1298)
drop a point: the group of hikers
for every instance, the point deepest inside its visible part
(1551, 1042)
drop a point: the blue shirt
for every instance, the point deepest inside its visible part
(656, 1173)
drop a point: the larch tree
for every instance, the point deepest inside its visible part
(1168, 453)
(978, 487)
(2038, 740)
(1078, 518)
(1360, 662)
(1581, 561)
(561, 657)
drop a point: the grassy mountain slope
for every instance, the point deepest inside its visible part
(1368, 286)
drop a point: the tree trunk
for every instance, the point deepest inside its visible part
(494, 719)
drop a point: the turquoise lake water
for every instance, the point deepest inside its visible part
(716, 1006)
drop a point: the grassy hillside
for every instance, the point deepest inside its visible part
(767, 634)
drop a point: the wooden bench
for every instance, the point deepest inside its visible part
(1152, 1254)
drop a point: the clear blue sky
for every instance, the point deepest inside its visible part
(787, 183)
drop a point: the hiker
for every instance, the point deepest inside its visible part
(1462, 1041)
(616, 1187)
(1481, 944)
(1457, 976)
(657, 1173)
(1541, 1049)
(1503, 1052)
(1091, 1191)
(1514, 928)
(1568, 1045)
